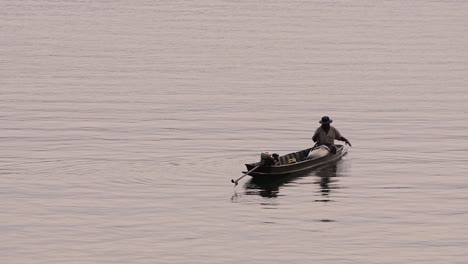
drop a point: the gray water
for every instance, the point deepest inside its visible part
(123, 122)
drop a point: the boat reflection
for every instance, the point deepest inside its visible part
(326, 180)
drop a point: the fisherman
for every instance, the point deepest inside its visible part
(326, 135)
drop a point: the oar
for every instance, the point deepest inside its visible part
(236, 181)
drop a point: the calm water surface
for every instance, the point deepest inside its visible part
(122, 124)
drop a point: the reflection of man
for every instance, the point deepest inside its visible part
(326, 134)
(326, 174)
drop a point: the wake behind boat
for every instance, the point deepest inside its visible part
(273, 166)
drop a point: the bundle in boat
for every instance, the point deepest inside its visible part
(318, 152)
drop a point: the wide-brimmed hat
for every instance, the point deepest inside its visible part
(325, 120)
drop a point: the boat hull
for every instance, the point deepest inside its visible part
(295, 168)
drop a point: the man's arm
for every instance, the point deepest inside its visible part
(315, 137)
(345, 140)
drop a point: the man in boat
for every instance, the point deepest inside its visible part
(326, 135)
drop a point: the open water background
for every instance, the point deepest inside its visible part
(123, 122)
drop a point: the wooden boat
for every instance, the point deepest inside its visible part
(292, 164)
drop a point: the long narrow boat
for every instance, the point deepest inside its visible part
(292, 164)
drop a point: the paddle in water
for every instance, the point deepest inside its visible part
(236, 181)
